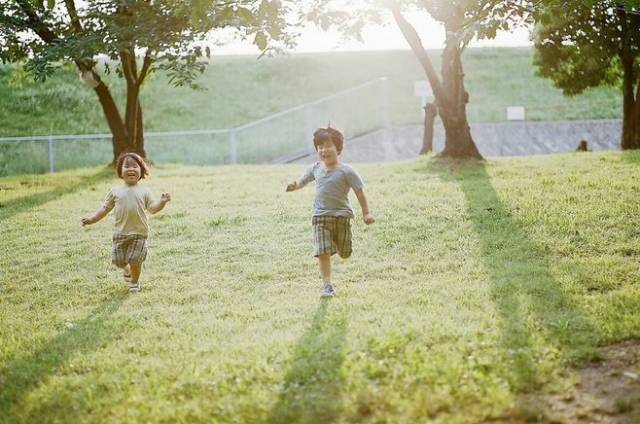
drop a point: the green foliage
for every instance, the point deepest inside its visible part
(580, 44)
(169, 32)
(478, 283)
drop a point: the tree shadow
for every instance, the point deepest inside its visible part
(531, 303)
(631, 156)
(312, 386)
(21, 204)
(21, 375)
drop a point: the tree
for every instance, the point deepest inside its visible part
(136, 37)
(583, 44)
(463, 20)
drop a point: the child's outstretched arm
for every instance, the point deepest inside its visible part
(160, 204)
(296, 185)
(97, 216)
(364, 205)
(306, 178)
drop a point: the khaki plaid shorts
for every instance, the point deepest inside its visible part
(331, 234)
(128, 249)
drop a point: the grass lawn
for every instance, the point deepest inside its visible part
(241, 89)
(479, 284)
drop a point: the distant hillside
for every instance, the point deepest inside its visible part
(240, 89)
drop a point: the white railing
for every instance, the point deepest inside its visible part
(356, 110)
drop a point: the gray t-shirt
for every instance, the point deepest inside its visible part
(332, 188)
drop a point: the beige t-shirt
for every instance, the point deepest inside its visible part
(129, 204)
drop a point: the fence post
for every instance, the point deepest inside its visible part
(52, 167)
(233, 146)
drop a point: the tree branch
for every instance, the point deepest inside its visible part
(146, 63)
(413, 39)
(133, 63)
(73, 14)
(35, 23)
(127, 70)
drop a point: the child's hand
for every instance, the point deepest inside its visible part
(86, 221)
(291, 186)
(165, 197)
(368, 219)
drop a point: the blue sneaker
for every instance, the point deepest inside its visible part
(327, 291)
(134, 287)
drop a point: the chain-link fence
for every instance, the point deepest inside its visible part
(357, 110)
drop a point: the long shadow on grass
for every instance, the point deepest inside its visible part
(21, 204)
(631, 156)
(312, 386)
(19, 376)
(533, 307)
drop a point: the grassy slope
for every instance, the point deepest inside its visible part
(241, 89)
(477, 284)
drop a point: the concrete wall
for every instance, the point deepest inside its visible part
(494, 139)
(527, 138)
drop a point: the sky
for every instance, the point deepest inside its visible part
(379, 37)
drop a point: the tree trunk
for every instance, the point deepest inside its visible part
(430, 113)
(133, 109)
(629, 107)
(636, 112)
(128, 135)
(116, 126)
(139, 147)
(131, 117)
(458, 141)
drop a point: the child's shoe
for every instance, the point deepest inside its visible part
(134, 287)
(327, 291)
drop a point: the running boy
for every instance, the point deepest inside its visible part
(131, 229)
(332, 213)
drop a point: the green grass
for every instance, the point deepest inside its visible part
(477, 284)
(242, 89)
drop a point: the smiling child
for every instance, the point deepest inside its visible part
(332, 212)
(131, 228)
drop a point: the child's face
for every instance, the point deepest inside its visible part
(130, 171)
(328, 153)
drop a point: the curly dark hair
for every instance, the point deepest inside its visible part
(144, 168)
(321, 135)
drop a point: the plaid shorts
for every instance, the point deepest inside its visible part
(128, 249)
(331, 234)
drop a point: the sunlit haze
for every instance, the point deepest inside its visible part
(379, 37)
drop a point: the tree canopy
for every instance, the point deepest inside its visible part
(168, 34)
(580, 45)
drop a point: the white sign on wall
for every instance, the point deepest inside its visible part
(515, 113)
(422, 89)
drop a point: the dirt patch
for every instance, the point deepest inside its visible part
(607, 391)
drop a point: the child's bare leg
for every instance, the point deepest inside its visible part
(136, 269)
(126, 270)
(325, 267)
